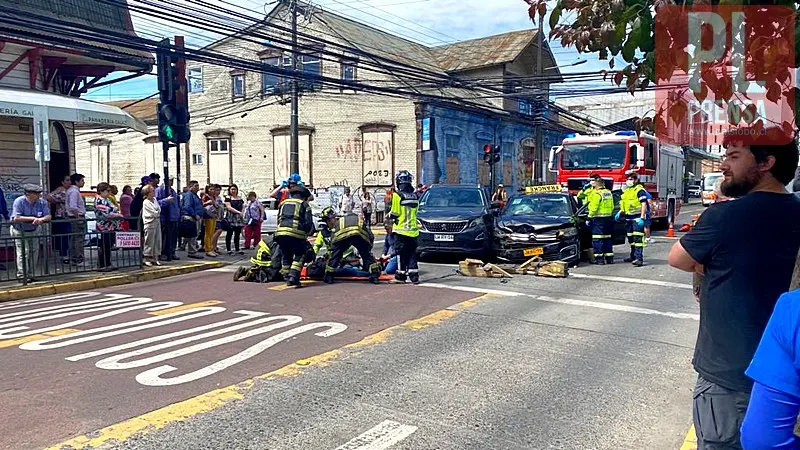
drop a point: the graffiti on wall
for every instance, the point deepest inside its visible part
(349, 151)
(378, 159)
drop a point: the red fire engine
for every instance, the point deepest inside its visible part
(612, 156)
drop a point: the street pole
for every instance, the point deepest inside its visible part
(181, 98)
(540, 156)
(294, 153)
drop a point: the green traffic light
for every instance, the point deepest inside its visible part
(169, 132)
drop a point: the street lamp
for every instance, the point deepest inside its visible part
(577, 62)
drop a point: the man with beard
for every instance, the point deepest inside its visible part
(746, 250)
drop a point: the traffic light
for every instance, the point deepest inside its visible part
(173, 109)
(487, 154)
(491, 154)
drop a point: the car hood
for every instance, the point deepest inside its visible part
(449, 213)
(530, 224)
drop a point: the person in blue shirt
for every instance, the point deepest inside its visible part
(27, 213)
(191, 217)
(3, 216)
(775, 400)
(170, 216)
(389, 253)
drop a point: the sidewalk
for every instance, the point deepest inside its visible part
(12, 290)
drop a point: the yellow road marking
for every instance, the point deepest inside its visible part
(284, 287)
(210, 401)
(164, 312)
(35, 337)
(690, 442)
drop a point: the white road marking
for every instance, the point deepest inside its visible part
(379, 437)
(632, 280)
(568, 301)
(231, 268)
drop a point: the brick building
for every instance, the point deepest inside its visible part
(240, 119)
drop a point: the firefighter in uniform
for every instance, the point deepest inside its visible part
(295, 223)
(601, 211)
(266, 265)
(633, 209)
(350, 231)
(323, 239)
(404, 227)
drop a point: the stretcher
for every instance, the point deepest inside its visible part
(365, 277)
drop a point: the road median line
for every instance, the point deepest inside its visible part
(209, 401)
(103, 282)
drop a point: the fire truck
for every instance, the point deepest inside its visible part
(613, 156)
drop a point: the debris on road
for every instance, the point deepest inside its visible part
(534, 266)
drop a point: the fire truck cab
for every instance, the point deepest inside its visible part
(613, 156)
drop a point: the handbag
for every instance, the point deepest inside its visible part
(187, 229)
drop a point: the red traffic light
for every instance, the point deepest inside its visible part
(487, 148)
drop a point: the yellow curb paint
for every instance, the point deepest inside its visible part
(690, 442)
(164, 312)
(35, 337)
(178, 412)
(115, 280)
(284, 287)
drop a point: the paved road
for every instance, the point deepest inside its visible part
(600, 360)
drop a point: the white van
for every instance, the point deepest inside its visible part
(708, 196)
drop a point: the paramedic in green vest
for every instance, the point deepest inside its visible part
(601, 221)
(295, 224)
(633, 209)
(346, 232)
(587, 189)
(404, 228)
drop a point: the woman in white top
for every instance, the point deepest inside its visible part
(151, 214)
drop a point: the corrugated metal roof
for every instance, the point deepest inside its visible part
(81, 14)
(380, 43)
(483, 52)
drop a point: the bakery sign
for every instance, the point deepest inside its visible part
(14, 109)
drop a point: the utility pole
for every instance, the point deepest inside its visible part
(539, 158)
(294, 153)
(181, 98)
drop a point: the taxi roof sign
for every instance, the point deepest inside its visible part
(543, 188)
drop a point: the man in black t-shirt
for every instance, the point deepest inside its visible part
(746, 249)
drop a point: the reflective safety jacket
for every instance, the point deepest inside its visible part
(348, 226)
(324, 239)
(404, 214)
(295, 219)
(585, 192)
(601, 203)
(263, 256)
(631, 201)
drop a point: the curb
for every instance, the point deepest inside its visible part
(117, 280)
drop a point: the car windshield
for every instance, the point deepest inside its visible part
(601, 155)
(452, 198)
(538, 205)
(708, 181)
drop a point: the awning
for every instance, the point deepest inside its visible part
(21, 103)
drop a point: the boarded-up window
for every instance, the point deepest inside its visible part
(378, 157)
(453, 168)
(508, 164)
(281, 145)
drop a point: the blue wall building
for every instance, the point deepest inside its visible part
(457, 138)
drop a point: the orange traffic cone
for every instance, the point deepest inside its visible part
(671, 231)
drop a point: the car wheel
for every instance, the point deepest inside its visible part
(421, 256)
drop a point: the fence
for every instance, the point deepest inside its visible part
(63, 247)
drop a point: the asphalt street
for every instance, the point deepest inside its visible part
(600, 360)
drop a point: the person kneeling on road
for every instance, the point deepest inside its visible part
(295, 223)
(350, 231)
(389, 258)
(266, 265)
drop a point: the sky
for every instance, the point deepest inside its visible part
(432, 22)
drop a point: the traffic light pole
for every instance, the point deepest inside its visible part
(180, 99)
(294, 153)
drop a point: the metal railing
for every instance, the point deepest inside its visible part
(64, 247)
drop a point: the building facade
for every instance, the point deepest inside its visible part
(41, 80)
